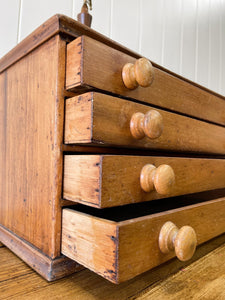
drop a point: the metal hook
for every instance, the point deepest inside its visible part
(89, 3)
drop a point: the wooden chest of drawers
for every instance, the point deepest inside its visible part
(145, 164)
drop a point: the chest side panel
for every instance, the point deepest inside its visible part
(31, 116)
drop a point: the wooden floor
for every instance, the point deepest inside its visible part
(203, 278)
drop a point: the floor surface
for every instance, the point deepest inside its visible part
(202, 278)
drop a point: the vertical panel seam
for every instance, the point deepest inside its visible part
(196, 42)
(220, 48)
(181, 38)
(163, 34)
(209, 45)
(72, 14)
(140, 27)
(18, 37)
(111, 17)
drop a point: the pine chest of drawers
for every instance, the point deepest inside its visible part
(106, 161)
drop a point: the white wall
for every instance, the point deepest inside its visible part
(185, 36)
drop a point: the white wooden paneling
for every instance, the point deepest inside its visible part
(185, 36)
(203, 41)
(125, 22)
(222, 36)
(35, 12)
(172, 35)
(77, 4)
(188, 39)
(9, 18)
(151, 29)
(214, 45)
(101, 14)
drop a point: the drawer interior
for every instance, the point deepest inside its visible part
(137, 210)
(120, 243)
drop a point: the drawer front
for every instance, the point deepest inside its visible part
(99, 119)
(119, 251)
(91, 64)
(111, 180)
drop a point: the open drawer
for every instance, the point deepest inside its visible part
(119, 248)
(111, 180)
(91, 64)
(103, 120)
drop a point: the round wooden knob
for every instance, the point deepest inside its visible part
(150, 125)
(182, 240)
(141, 73)
(161, 179)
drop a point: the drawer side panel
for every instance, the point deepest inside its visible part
(31, 132)
(82, 178)
(90, 241)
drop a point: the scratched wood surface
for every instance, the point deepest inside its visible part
(111, 180)
(31, 132)
(70, 29)
(201, 279)
(91, 64)
(119, 251)
(94, 118)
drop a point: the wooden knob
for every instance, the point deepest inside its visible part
(141, 73)
(150, 125)
(182, 240)
(161, 179)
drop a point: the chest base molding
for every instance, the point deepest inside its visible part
(50, 269)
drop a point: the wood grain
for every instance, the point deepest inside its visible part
(70, 29)
(111, 180)
(3, 121)
(50, 269)
(161, 179)
(31, 136)
(183, 241)
(31, 132)
(102, 69)
(89, 240)
(203, 279)
(35, 39)
(17, 280)
(98, 119)
(141, 73)
(149, 124)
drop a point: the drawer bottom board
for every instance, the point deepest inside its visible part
(120, 250)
